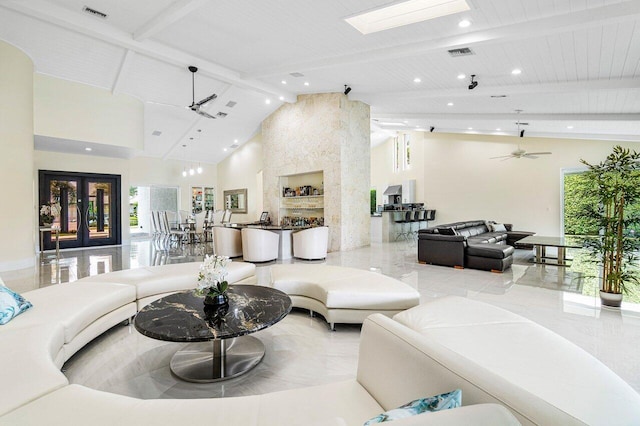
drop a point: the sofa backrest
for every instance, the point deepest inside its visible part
(469, 228)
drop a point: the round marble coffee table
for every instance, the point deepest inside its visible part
(219, 347)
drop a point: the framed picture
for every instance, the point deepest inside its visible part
(264, 216)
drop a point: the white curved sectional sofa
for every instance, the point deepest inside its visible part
(436, 347)
(340, 294)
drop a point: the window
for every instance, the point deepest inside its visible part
(401, 153)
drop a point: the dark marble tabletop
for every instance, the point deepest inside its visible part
(182, 317)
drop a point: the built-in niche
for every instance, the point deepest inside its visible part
(236, 200)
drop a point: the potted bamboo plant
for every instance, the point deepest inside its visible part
(616, 180)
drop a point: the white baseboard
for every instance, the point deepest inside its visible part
(14, 265)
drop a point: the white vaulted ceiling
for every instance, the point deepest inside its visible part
(580, 62)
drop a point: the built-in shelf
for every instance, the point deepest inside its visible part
(298, 209)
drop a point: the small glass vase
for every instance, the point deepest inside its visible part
(216, 300)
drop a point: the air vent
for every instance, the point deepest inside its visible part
(231, 104)
(498, 96)
(296, 74)
(221, 114)
(94, 12)
(464, 51)
(156, 133)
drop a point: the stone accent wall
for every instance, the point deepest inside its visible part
(324, 132)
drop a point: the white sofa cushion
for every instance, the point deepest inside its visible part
(534, 372)
(155, 280)
(344, 288)
(74, 305)
(27, 368)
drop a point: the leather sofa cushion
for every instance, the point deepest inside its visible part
(446, 231)
(495, 251)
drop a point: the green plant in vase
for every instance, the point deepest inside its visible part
(615, 181)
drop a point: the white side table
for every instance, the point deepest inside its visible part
(52, 229)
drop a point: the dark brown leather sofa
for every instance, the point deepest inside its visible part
(468, 244)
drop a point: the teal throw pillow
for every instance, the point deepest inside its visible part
(445, 401)
(11, 304)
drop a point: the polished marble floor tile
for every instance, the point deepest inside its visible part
(301, 351)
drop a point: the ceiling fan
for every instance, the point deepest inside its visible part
(520, 153)
(195, 106)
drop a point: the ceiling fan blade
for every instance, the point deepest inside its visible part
(538, 153)
(502, 156)
(204, 114)
(207, 99)
(529, 156)
(167, 105)
(509, 157)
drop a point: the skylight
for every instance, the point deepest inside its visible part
(405, 13)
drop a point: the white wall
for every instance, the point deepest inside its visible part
(44, 160)
(242, 169)
(147, 171)
(78, 112)
(382, 175)
(141, 171)
(18, 215)
(460, 181)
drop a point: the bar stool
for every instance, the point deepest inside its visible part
(430, 215)
(415, 218)
(403, 218)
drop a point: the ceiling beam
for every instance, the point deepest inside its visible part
(618, 12)
(88, 26)
(512, 90)
(504, 116)
(122, 71)
(170, 15)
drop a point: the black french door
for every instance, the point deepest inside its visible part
(90, 208)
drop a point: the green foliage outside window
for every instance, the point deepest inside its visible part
(373, 201)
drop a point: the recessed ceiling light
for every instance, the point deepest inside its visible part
(284, 82)
(235, 141)
(417, 80)
(405, 13)
(569, 127)
(306, 83)
(461, 76)
(267, 101)
(464, 23)
(516, 71)
(281, 98)
(405, 121)
(225, 149)
(498, 129)
(450, 104)
(469, 128)
(88, 149)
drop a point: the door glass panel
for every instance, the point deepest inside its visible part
(99, 209)
(65, 193)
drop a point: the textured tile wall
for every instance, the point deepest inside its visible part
(329, 133)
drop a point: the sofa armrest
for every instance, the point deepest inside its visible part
(508, 226)
(440, 237)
